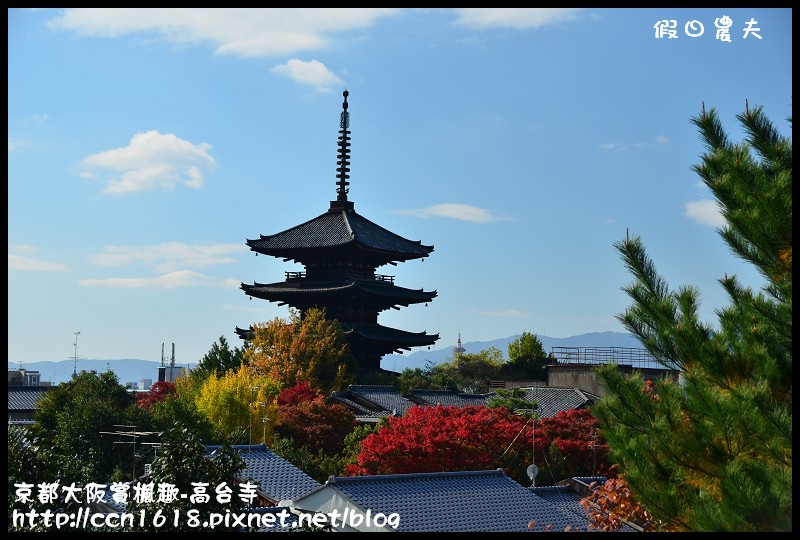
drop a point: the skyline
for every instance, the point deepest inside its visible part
(146, 145)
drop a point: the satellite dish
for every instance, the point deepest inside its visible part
(532, 471)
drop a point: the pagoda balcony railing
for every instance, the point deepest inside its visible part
(294, 276)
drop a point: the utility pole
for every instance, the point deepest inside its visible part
(75, 357)
(250, 416)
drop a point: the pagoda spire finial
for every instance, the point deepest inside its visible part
(344, 153)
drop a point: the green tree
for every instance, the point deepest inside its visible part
(527, 358)
(239, 401)
(182, 462)
(713, 451)
(26, 470)
(70, 421)
(513, 399)
(469, 372)
(312, 349)
(220, 359)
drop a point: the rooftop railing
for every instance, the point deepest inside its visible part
(638, 358)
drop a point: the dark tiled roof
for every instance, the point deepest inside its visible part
(394, 338)
(383, 397)
(566, 498)
(363, 412)
(25, 398)
(448, 398)
(289, 519)
(336, 228)
(554, 400)
(467, 501)
(278, 479)
(380, 293)
(374, 337)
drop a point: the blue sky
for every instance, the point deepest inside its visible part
(146, 145)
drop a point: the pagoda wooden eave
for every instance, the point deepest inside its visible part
(334, 230)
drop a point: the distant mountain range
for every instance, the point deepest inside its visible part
(419, 358)
(133, 370)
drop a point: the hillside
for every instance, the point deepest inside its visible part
(132, 370)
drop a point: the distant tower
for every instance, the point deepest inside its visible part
(458, 349)
(75, 358)
(171, 372)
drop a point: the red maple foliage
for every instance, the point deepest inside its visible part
(300, 392)
(441, 438)
(314, 424)
(611, 504)
(158, 392)
(577, 441)
(433, 439)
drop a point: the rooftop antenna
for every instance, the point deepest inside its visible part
(75, 357)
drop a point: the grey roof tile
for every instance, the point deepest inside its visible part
(552, 401)
(447, 397)
(277, 478)
(467, 501)
(25, 398)
(568, 500)
(385, 397)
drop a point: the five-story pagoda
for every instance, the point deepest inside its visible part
(340, 251)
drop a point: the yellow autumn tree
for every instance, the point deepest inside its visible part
(311, 349)
(241, 401)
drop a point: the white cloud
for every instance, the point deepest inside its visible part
(153, 161)
(169, 256)
(706, 212)
(313, 73)
(659, 140)
(463, 212)
(23, 248)
(503, 313)
(247, 32)
(614, 146)
(172, 280)
(519, 18)
(17, 262)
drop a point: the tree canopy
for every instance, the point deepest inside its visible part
(238, 402)
(312, 349)
(713, 451)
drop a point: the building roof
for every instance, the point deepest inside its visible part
(25, 398)
(567, 496)
(465, 501)
(370, 402)
(380, 397)
(366, 414)
(277, 478)
(448, 397)
(552, 401)
(339, 228)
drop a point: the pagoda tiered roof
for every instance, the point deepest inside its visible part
(373, 338)
(301, 293)
(338, 229)
(340, 250)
